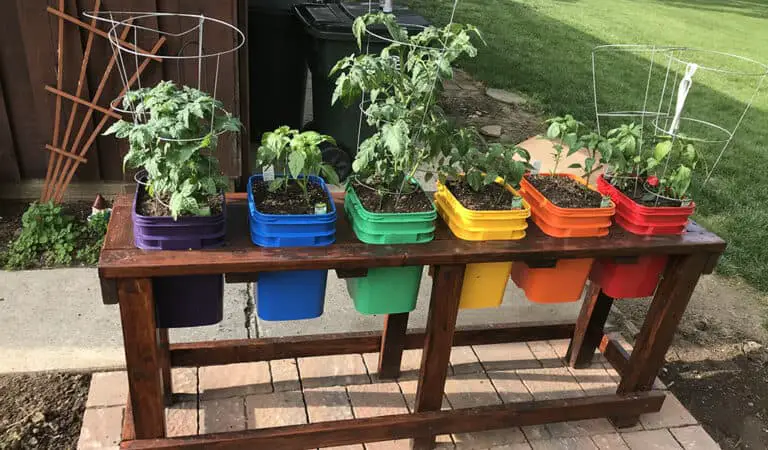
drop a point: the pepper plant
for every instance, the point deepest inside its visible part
(299, 153)
(567, 131)
(401, 84)
(470, 162)
(172, 137)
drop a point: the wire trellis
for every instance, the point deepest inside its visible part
(677, 82)
(196, 29)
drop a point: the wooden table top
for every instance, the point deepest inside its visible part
(120, 259)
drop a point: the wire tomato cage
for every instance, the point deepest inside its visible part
(685, 96)
(373, 35)
(196, 46)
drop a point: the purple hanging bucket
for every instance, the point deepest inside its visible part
(189, 300)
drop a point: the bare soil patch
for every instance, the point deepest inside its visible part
(42, 411)
(718, 363)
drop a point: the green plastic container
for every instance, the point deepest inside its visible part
(387, 290)
(389, 228)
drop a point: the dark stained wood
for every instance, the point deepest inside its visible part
(164, 358)
(140, 339)
(666, 310)
(241, 256)
(392, 345)
(210, 353)
(9, 166)
(403, 426)
(712, 261)
(589, 327)
(661, 321)
(244, 96)
(237, 278)
(127, 431)
(351, 273)
(441, 323)
(109, 291)
(615, 354)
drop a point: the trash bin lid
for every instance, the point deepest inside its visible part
(277, 6)
(334, 21)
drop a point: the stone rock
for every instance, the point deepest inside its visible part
(503, 96)
(701, 325)
(750, 346)
(491, 131)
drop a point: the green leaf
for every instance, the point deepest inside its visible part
(574, 166)
(661, 150)
(296, 163)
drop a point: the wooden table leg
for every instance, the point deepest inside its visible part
(441, 324)
(669, 303)
(392, 344)
(164, 353)
(589, 327)
(142, 357)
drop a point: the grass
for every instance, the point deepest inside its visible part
(542, 48)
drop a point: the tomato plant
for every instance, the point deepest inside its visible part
(173, 138)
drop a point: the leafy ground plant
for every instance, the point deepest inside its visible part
(173, 138)
(299, 153)
(402, 84)
(50, 237)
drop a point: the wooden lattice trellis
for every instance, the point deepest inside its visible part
(66, 157)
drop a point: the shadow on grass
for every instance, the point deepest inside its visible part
(551, 62)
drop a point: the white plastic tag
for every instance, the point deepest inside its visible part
(321, 208)
(517, 203)
(685, 202)
(536, 167)
(269, 173)
(605, 202)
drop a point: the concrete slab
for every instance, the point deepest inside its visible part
(54, 320)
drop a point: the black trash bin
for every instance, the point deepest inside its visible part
(277, 66)
(329, 27)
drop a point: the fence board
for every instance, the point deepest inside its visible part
(9, 168)
(28, 62)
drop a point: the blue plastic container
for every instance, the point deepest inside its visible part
(295, 294)
(291, 230)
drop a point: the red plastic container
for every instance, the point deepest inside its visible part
(641, 278)
(647, 220)
(629, 280)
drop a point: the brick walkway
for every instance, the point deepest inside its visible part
(287, 392)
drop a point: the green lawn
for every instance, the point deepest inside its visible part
(542, 48)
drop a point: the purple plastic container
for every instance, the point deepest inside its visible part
(191, 300)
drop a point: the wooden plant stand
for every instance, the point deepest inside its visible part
(126, 277)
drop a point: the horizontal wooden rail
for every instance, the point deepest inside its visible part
(614, 353)
(100, 32)
(67, 154)
(79, 100)
(212, 353)
(404, 426)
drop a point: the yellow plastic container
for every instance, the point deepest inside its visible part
(484, 284)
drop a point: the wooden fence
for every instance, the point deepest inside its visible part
(28, 63)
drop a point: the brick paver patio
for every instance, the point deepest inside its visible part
(287, 392)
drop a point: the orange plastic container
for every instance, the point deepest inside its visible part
(560, 222)
(560, 284)
(564, 282)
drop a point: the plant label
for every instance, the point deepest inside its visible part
(268, 173)
(605, 202)
(536, 167)
(321, 208)
(517, 203)
(685, 202)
